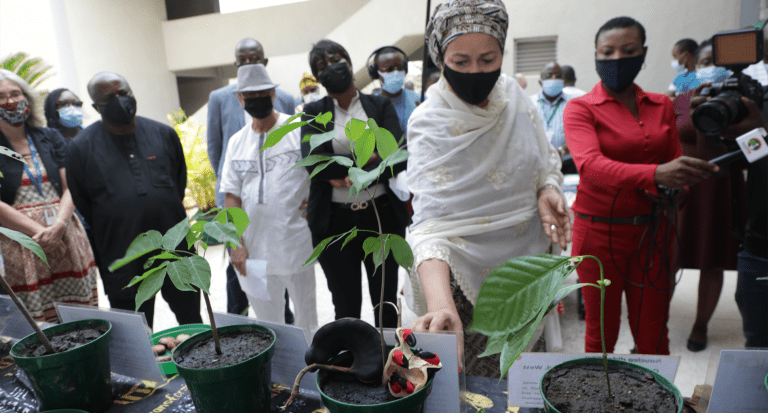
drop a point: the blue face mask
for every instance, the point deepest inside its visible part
(552, 87)
(70, 116)
(393, 81)
(712, 74)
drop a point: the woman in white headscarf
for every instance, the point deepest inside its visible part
(486, 181)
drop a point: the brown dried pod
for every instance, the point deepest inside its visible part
(182, 337)
(158, 348)
(163, 358)
(169, 342)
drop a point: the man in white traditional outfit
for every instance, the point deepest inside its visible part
(277, 242)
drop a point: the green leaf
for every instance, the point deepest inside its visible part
(175, 235)
(222, 232)
(400, 155)
(143, 244)
(370, 245)
(317, 140)
(350, 237)
(495, 344)
(146, 274)
(567, 289)
(401, 250)
(515, 292)
(517, 343)
(364, 147)
(149, 287)
(372, 124)
(294, 117)
(343, 161)
(199, 214)
(319, 168)
(165, 255)
(236, 216)
(277, 134)
(362, 179)
(25, 242)
(324, 118)
(195, 233)
(385, 143)
(354, 129)
(377, 260)
(311, 160)
(188, 271)
(318, 249)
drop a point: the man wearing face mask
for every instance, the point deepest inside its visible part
(263, 184)
(225, 118)
(684, 63)
(127, 175)
(550, 102)
(390, 65)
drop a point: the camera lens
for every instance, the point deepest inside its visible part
(714, 116)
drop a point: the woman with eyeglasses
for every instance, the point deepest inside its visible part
(625, 144)
(34, 200)
(64, 112)
(332, 209)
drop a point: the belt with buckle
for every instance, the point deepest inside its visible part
(635, 220)
(359, 206)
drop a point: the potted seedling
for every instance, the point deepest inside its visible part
(226, 369)
(352, 355)
(511, 303)
(67, 364)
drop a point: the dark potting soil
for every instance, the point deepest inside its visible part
(235, 348)
(346, 388)
(583, 389)
(66, 341)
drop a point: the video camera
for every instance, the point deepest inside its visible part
(735, 51)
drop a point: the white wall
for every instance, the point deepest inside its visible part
(576, 22)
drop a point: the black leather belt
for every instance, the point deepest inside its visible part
(635, 220)
(359, 206)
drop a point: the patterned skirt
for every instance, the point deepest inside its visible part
(69, 279)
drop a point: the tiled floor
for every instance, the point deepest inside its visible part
(724, 329)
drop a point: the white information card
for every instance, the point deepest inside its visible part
(130, 351)
(740, 382)
(526, 373)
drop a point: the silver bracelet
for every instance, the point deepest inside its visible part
(547, 186)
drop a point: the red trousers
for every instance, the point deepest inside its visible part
(648, 307)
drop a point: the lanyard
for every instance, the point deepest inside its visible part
(553, 113)
(37, 180)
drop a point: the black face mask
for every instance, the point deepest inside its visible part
(259, 107)
(619, 74)
(119, 111)
(336, 78)
(472, 88)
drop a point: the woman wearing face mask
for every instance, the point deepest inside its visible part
(64, 112)
(331, 209)
(625, 145)
(706, 241)
(310, 91)
(34, 200)
(486, 181)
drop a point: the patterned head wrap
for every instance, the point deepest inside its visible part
(456, 17)
(307, 80)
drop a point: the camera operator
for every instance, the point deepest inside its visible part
(751, 293)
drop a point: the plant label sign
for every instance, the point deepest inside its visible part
(526, 373)
(12, 321)
(290, 347)
(740, 382)
(444, 397)
(130, 351)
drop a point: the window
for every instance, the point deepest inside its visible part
(533, 53)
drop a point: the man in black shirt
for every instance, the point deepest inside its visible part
(127, 175)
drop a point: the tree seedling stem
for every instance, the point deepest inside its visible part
(381, 293)
(305, 370)
(216, 342)
(43, 339)
(602, 285)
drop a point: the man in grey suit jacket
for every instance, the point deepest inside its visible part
(225, 117)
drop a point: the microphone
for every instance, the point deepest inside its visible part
(752, 146)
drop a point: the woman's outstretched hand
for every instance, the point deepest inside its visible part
(554, 212)
(442, 320)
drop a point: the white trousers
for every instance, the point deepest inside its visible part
(301, 289)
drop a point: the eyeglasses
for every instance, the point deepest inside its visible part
(66, 103)
(15, 95)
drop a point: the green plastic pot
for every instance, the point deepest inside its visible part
(78, 378)
(414, 403)
(661, 380)
(241, 387)
(167, 367)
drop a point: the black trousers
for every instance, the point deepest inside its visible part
(342, 266)
(184, 304)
